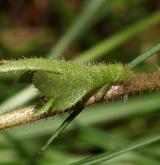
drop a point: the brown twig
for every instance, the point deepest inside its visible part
(140, 83)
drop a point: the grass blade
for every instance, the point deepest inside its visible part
(81, 25)
(107, 156)
(59, 130)
(144, 56)
(110, 43)
(19, 99)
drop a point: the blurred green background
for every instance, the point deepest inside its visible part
(106, 31)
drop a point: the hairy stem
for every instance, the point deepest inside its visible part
(140, 83)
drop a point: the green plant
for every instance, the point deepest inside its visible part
(65, 83)
(113, 128)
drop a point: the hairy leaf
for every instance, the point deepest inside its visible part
(67, 83)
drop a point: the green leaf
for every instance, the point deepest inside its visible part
(77, 81)
(113, 42)
(34, 64)
(68, 82)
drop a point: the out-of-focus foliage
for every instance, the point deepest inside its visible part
(69, 28)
